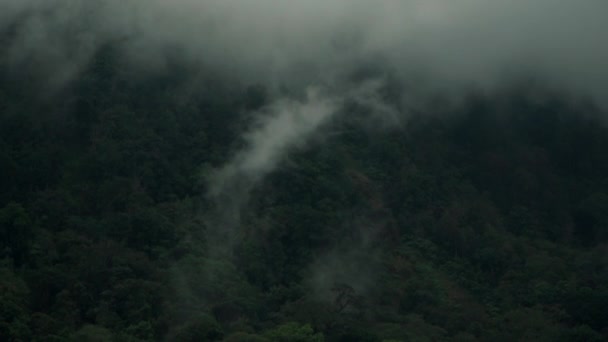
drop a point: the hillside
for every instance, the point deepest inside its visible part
(482, 220)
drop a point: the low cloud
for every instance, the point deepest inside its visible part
(455, 42)
(281, 127)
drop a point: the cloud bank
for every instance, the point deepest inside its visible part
(449, 45)
(453, 42)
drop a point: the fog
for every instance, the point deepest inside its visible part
(316, 61)
(443, 45)
(454, 43)
(284, 125)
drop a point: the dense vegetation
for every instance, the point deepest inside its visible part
(485, 221)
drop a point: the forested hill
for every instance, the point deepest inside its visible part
(482, 221)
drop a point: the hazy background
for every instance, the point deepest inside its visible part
(366, 164)
(276, 42)
(306, 53)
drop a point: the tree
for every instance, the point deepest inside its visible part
(14, 315)
(15, 232)
(293, 332)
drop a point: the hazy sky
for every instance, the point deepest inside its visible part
(277, 41)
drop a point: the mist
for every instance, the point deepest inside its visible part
(453, 43)
(435, 45)
(342, 169)
(281, 127)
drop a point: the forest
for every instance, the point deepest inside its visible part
(132, 209)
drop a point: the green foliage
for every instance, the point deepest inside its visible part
(14, 315)
(245, 337)
(16, 229)
(201, 328)
(91, 333)
(484, 221)
(582, 333)
(293, 332)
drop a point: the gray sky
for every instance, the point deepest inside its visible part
(275, 41)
